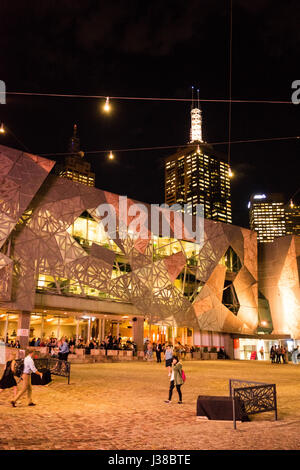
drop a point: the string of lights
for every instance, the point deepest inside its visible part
(136, 98)
(5, 129)
(135, 149)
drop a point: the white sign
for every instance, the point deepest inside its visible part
(23, 332)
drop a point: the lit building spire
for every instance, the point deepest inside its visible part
(74, 142)
(196, 120)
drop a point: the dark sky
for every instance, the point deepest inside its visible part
(155, 49)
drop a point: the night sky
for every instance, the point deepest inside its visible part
(155, 49)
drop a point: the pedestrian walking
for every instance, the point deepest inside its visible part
(284, 355)
(29, 368)
(272, 354)
(9, 377)
(280, 354)
(262, 353)
(149, 352)
(63, 350)
(158, 351)
(168, 359)
(277, 354)
(295, 355)
(176, 380)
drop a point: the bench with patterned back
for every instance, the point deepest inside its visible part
(257, 397)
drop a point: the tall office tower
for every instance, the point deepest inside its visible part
(292, 218)
(267, 216)
(75, 168)
(197, 174)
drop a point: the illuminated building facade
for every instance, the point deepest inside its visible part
(267, 216)
(61, 272)
(292, 218)
(196, 174)
(75, 168)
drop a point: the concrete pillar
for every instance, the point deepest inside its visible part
(101, 336)
(5, 328)
(42, 327)
(23, 329)
(77, 330)
(58, 329)
(174, 333)
(89, 330)
(138, 333)
(228, 346)
(197, 337)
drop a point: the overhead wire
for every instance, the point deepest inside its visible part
(139, 98)
(135, 149)
(230, 82)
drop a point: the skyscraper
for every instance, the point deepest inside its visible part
(292, 218)
(267, 216)
(197, 174)
(75, 168)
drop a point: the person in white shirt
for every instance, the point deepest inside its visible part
(29, 368)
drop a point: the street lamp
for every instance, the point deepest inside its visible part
(106, 107)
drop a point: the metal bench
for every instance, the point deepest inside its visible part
(56, 366)
(258, 397)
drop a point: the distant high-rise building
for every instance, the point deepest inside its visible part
(267, 216)
(75, 168)
(292, 218)
(197, 174)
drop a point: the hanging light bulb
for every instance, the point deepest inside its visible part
(230, 173)
(2, 129)
(111, 155)
(291, 203)
(106, 107)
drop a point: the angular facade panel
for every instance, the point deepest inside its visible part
(279, 282)
(62, 245)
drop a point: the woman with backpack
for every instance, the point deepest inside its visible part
(177, 380)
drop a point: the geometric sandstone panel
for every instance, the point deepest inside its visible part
(246, 289)
(43, 245)
(279, 283)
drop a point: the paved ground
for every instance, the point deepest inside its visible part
(121, 406)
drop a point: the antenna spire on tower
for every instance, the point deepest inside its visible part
(192, 105)
(74, 142)
(196, 120)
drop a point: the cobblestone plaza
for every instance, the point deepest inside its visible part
(120, 406)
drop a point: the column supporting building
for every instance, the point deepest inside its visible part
(138, 332)
(23, 329)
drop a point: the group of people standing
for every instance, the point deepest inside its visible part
(279, 355)
(158, 348)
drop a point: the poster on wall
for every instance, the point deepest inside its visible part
(22, 332)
